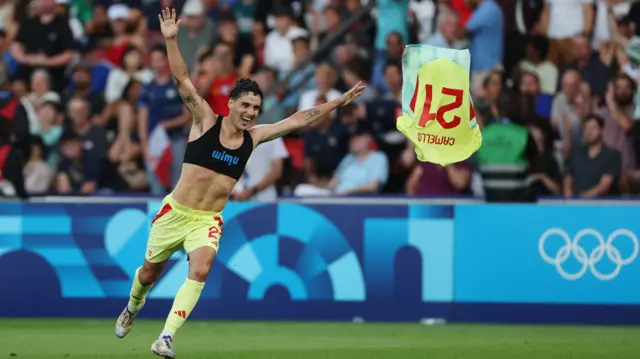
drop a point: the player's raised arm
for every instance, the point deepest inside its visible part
(195, 104)
(298, 120)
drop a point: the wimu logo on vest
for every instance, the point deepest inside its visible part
(438, 115)
(225, 157)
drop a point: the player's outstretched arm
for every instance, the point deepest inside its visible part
(265, 133)
(196, 105)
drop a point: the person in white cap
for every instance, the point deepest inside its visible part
(198, 32)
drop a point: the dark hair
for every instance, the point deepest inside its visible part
(332, 8)
(227, 16)
(132, 48)
(540, 44)
(36, 140)
(360, 67)
(244, 87)
(160, 48)
(204, 55)
(623, 76)
(393, 63)
(69, 136)
(594, 117)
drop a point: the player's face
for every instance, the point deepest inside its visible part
(244, 110)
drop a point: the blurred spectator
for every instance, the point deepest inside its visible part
(447, 35)
(38, 175)
(263, 170)
(485, 29)
(278, 48)
(119, 16)
(6, 10)
(80, 170)
(618, 119)
(561, 21)
(325, 145)
(50, 131)
(94, 138)
(44, 40)
(393, 78)
(12, 109)
(41, 89)
(588, 64)
(562, 105)
(301, 79)
(243, 11)
(125, 152)
(426, 13)
(81, 79)
(11, 162)
(267, 12)
(520, 19)
(506, 159)
(196, 33)
(242, 46)
(271, 111)
(547, 178)
(217, 78)
(359, 70)
(391, 19)
(607, 13)
(362, 171)
(594, 168)
(431, 179)
(63, 10)
(331, 22)
(529, 87)
(391, 53)
(535, 61)
(325, 78)
(160, 105)
(133, 68)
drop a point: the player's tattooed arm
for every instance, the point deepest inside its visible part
(198, 108)
(265, 133)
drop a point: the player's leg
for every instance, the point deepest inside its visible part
(202, 246)
(143, 280)
(164, 240)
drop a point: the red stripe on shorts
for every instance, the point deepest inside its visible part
(163, 211)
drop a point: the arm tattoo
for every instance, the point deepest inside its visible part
(310, 114)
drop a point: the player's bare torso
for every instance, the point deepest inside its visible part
(200, 188)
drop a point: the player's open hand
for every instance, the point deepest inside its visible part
(352, 94)
(168, 23)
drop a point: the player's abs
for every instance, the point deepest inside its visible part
(202, 189)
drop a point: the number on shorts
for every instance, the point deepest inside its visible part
(216, 230)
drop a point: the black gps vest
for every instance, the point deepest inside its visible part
(208, 152)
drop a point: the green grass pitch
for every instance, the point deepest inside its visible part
(93, 339)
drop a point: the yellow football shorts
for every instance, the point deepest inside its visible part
(176, 226)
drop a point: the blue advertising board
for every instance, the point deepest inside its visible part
(496, 263)
(277, 261)
(546, 254)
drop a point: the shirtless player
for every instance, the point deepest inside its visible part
(191, 216)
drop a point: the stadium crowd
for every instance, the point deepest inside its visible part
(87, 105)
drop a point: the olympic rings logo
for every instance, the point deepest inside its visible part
(573, 248)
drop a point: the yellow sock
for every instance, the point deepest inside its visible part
(138, 293)
(183, 305)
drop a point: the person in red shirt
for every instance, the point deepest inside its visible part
(461, 8)
(217, 76)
